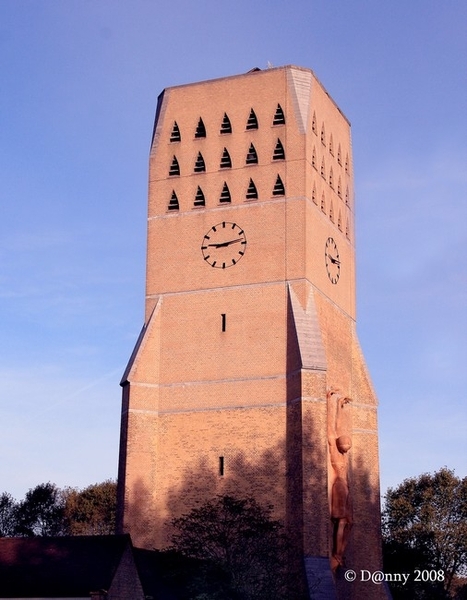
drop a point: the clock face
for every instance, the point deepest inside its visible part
(224, 245)
(332, 260)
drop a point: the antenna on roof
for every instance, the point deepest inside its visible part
(270, 65)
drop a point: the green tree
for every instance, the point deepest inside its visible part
(48, 510)
(7, 515)
(41, 512)
(244, 550)
(425, 529)
(91, 511)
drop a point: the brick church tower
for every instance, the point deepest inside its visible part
(248, 377)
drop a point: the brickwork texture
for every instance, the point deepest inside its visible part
(250, 316)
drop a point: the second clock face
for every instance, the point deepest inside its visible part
(224, 245)
(332, 260)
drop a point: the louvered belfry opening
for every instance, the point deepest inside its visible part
(252, 192)
(200, 165)
(279, 152)
(226, 162)
(200, 129)
(225, 194)
(252, 122)
(173, 202)
(199, 198)
(174, 167)
(226, 126)
(279, 189)
(175, 136)
(279, 117)
(252, 156)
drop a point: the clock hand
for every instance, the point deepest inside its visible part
(334, 260)
(225, 244)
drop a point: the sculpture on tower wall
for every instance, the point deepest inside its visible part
(339, 443)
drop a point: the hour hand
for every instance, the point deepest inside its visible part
(334, 261)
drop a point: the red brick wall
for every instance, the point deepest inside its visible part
(252, 393)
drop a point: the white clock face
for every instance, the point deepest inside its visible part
(332, 260)
(224, 245)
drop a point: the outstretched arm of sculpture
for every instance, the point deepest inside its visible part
(343, 427)
(337, 414)
(332, 398)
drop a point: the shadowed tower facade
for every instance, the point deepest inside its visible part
(247, 377)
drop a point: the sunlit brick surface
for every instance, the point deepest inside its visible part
(242, 340)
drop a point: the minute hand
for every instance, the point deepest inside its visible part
(225, 244)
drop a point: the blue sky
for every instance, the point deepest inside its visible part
(79, 82)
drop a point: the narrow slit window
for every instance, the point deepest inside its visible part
(331, 146)
(221, 466)
(347, 230)
(347, 196)
(323, 135)
(174, 168)
(314, 127)
(173, 202)
(175, 136)
(200, 165)
(279, 153)
(339, 221)
(331, 178)
(223, 322)
(339, 155)
(199, 198)
(313, 195)
(347, 163)
(279, 189)
(226, 126)
(252, 122)
(200, 129)
(225, 194)
(252, 192)
(226, 161)
(279, 117)
(323, 169)
(331, 212)
(313, 159)
(323, 204)
(252, 156)
(339, 188)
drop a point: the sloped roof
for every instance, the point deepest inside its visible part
(59, 566)
(152, 567)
